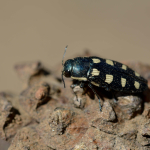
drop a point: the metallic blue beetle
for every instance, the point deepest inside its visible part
(104, 73)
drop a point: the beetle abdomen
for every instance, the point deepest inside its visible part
(116, 76)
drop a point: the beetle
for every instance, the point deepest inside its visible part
(105, 73)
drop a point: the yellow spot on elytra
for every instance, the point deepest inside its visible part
(137, 74)
(136, 84)
(123, 82)
(109, 78)
(95, 60)
(124, 67)
(110, 62)
(79, 78)
(95, 72)
(96, 84)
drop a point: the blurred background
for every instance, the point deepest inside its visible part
(33, 30)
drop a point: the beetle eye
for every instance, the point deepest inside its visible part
(67, 73)
(67, 68)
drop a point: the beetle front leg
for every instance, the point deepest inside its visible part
(75, 83)
(82, 84)
(73, 86)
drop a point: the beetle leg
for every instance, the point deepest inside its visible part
(115, 98)
(76, 83)
(73, 85)
(82, 84)
(75, 95)
(107, 88)
(100, 107)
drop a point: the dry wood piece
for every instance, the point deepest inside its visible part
(10, 119)
(27, 139)
(46, 116)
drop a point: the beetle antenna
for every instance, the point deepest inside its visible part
(63, 64)
(64, 55)
(63, 79)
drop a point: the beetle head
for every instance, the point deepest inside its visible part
(67, 68)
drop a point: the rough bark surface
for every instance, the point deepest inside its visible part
(46, 116)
